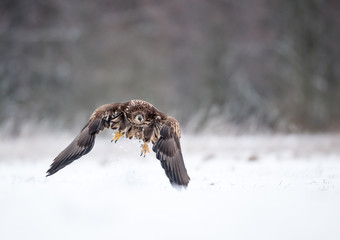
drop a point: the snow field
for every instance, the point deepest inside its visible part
(243, 187)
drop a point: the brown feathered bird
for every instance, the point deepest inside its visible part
(138, 119)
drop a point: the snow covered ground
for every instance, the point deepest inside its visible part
(242, 187)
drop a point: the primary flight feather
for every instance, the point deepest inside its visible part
(134, 119)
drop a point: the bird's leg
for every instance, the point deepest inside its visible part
(145, 148)
(116, 136)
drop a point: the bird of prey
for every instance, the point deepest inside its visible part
(134, 119)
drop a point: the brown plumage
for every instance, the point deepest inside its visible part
(134, 119)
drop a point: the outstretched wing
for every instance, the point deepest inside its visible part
(84, 142)
(168, 151)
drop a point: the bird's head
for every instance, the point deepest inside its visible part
(137, 118)
(138, 113)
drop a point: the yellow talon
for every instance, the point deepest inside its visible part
(145, 148)
(117, 135)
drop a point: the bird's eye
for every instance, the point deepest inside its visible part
(139, 117)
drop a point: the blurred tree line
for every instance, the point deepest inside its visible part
(224, 64)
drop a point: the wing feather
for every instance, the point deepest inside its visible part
(85, 140)
(168, 151)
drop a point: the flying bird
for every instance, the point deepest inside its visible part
(133, 119)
